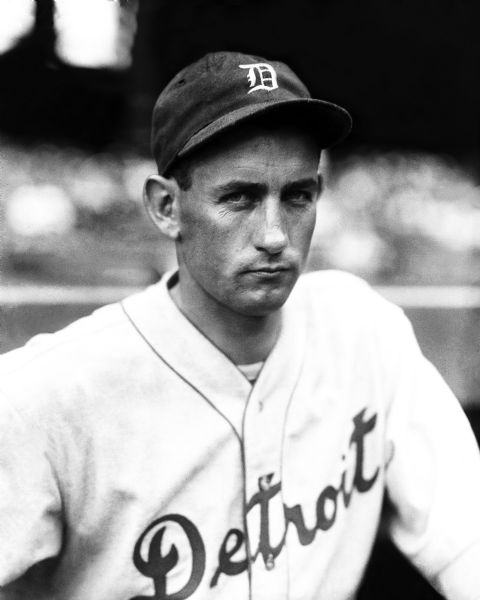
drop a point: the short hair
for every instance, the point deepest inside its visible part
(181, 171)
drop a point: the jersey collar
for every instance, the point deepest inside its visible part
(205, 368)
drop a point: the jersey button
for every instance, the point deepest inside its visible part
(264, 482)
(270, 562)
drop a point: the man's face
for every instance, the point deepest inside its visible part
(247, 220)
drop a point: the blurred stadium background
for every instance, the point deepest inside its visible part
(402, 206)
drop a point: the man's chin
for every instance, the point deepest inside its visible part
(264, 304)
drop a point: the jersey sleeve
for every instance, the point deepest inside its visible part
(30, 501)
(433, 477)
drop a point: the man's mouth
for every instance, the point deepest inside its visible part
(269, 270)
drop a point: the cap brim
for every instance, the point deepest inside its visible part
(329, 123)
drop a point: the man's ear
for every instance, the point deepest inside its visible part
(161, 197)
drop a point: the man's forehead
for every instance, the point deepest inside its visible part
(271, 172)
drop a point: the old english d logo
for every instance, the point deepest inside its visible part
(261, 76)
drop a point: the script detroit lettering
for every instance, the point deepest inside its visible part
(153, 561)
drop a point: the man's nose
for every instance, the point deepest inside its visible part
(271, 233)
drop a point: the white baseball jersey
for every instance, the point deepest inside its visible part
(139, 462)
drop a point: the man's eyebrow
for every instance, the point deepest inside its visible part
(308, 182)
(252, 187)
(240, 184)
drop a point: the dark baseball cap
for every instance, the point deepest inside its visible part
(224, 89)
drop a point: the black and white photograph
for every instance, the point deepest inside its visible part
(239, 300)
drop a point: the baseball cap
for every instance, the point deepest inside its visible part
(225, 89)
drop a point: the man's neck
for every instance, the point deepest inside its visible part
(244, 339)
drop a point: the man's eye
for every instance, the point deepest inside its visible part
(299, 197)
(238, 199)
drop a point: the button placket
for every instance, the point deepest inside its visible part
(265, 517)
(263, 430)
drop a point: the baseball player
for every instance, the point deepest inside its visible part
(231, 432)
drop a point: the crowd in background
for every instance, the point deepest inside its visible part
(74, 217)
